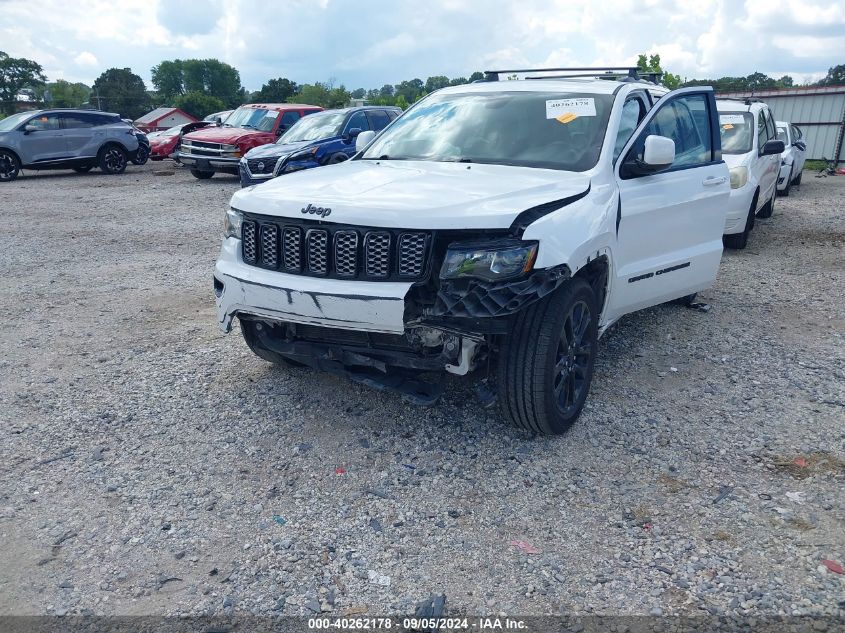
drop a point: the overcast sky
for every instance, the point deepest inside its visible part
(361, 43)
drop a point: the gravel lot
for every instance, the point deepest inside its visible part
(152, 465)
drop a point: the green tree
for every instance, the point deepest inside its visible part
(386, 91)
(63, 94)
(17, 73)
(476, 76)
(436, 83)
(652, 65)
(276, 91)
(199, 104)
(167, 79)
(211, 76)
(457, 81)
(410, 89)
(835, 76)
(400, 102)
(120, 90)
(358, 93)
(322, 94)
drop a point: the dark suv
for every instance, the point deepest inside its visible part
(65, 139)
(324, 138)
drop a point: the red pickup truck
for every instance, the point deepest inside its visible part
(220, 147)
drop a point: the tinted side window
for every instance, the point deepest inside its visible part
(76, 121)
(45, 122)
(797, 134)
(632, 113)
(392, 114)
(686, 121)
(359, 120)
(378, 119)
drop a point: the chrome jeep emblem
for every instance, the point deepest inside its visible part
(321, 211)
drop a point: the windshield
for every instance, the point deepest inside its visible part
(737, 130)
(314, 127)
(253, 119)
(10, 123)
(782, 135)
(527, 129)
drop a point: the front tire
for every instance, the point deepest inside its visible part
(112, 160)
(142, 155)
(797, 181)
(340, 157)
(201, 175)
(10, 166)
(785, 192)
(545, 364)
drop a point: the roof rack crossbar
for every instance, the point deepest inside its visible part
(630, 72)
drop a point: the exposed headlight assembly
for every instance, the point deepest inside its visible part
(491, 261)
(232, 223)
(739, 177)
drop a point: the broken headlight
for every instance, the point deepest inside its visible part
(232, 223)
(492, 261)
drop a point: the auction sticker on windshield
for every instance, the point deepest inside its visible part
(732, 119)
(566, 110)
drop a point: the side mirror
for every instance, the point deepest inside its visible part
(772, 147)
(800, 145)
(350, 134)
(363, 139)
(30, 128)
(218, 121)
(658, 154)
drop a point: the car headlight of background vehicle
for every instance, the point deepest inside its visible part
(739, 176)
(232, 223)
(491, 261)
(307, 154)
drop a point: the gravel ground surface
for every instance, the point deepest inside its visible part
(152, 465)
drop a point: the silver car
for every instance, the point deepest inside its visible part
(65, 139)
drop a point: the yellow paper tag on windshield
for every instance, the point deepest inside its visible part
(727, 126)
(566, 118)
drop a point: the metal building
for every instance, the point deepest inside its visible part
(818, 110)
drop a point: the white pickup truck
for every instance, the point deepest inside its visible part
(498, 227)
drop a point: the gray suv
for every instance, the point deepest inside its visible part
(65, 139)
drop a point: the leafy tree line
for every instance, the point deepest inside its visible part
(203, 86)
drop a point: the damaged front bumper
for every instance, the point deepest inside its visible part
(352, 305)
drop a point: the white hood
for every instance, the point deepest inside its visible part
(412, 194)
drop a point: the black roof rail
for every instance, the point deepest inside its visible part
(620, 73)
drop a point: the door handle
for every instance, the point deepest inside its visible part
(713, 181)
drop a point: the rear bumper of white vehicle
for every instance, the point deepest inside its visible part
(352, 305)
(738, 205)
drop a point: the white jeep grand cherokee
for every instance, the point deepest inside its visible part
(501, 226)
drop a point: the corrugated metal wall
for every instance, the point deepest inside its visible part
(818, 111)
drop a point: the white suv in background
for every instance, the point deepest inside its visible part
(500, 226)
(792, 159)
(752, 152)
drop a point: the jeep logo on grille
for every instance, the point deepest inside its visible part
(323, 212)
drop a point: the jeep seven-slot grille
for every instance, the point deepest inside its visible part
(331, 250)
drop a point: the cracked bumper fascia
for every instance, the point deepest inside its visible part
(345, 304)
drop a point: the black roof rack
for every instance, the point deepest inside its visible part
(622, 73)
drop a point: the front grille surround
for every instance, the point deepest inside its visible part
(268, 165)
(322, 249)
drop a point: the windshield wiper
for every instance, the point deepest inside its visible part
(248, 125)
